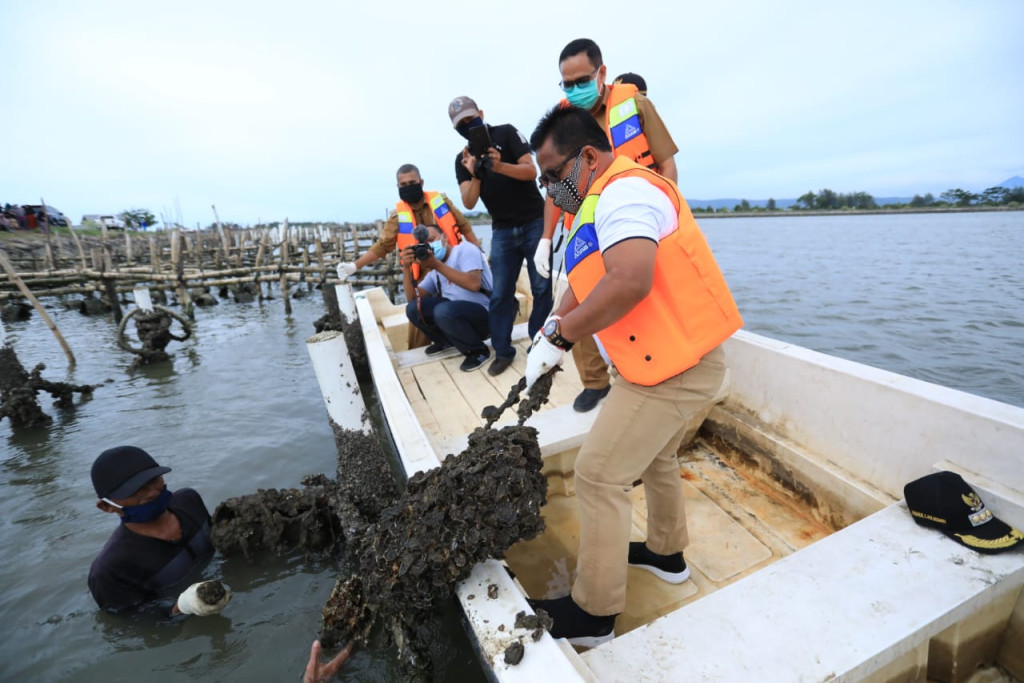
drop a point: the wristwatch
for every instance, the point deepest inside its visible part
(552, 332)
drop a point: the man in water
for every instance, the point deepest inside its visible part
(163, 540)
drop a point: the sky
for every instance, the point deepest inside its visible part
(304, 109)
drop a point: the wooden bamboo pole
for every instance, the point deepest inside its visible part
(154, 255)
(178, 266)
(259, 261)
(284, 262)
(38, 306)
(78, 243)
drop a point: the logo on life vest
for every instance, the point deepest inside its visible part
(631, 131)
(580, 247)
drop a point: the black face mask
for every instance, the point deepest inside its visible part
(412, 194)
(464, 128)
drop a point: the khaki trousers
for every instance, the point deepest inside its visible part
(637, 435)
(590, 364)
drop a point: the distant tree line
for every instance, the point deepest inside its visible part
(138, 219)
(829, 200)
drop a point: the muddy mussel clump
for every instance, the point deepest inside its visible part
(279, 520)
(472, 508)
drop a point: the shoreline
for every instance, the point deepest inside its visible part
(788, 213)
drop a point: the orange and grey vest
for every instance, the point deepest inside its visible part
(689, 310)
(625, 133)
(407, 223)
(622, 121)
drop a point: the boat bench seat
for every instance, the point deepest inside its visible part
(863, 602)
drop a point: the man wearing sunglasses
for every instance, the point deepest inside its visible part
(635, 130)
(644, 281)
(503, 178)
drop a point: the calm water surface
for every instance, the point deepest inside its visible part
(238, 409)
(933, 296)
(938, 297)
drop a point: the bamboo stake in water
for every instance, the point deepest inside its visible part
(38, 306)
(284, 262)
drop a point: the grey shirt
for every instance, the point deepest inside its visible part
(464, 257)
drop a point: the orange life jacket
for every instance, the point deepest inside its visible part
(625, 133)
(689, 310)
(407, 223)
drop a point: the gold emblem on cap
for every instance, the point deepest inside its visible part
(972, 500)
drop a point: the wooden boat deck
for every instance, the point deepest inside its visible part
(736, 525)
(800, 549)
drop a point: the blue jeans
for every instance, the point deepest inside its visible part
(509, 247)
(463, 324)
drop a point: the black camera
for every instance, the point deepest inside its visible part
(479, 144)
(483, 167)
(422, 249)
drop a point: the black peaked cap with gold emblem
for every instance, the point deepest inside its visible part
(946, 502)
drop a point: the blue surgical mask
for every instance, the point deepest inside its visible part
(146, 512)
(440, 248)
(583, 96)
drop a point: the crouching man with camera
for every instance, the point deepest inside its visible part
(450, 303)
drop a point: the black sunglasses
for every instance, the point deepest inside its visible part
(553, 175)
(569, 85)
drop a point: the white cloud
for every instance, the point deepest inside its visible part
(305, 109)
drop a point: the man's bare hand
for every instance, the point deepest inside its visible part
(468, 161)
(320, 672)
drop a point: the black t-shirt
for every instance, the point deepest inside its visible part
(133, 569)
(510, 202)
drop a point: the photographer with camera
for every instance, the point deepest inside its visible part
(415, 206)
(450, 304)
(497, 167)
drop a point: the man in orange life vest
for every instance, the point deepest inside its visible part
(635, 130)
(414, 207)
(644, 281)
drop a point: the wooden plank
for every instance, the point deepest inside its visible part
(719, 545)
(473, 386)
(419, 404)
(454, 414)
(777, 523)
(558, 430)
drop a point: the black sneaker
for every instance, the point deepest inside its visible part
(436, 348)
(670, 568)
(498, 366)
(588, 398)
(475, 360)
(574, 623)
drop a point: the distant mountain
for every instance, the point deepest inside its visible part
(1015, 181)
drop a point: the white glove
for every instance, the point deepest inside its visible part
(346, 268)
(542, 359)
(194, 599)
(542, 257)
